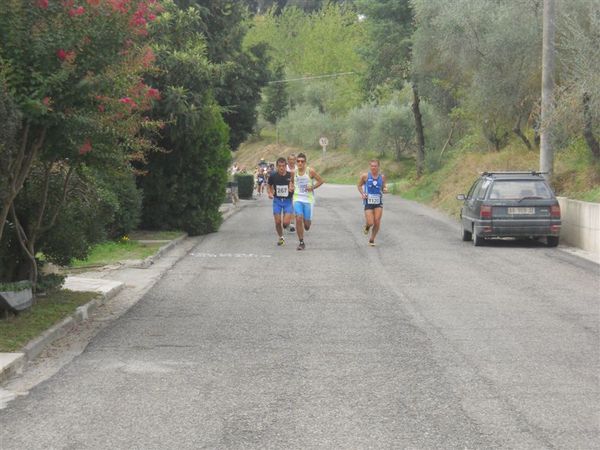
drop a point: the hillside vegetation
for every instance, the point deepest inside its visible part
(576, 175)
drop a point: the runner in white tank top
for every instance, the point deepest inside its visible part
(308, 180)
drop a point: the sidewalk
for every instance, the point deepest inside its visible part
(130, 280)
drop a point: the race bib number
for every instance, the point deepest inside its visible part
(281, 191)
(303, 188)
(373, 199)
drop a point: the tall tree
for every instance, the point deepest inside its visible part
(316, 48)
(390, 24)
(578, 57)
(240, 72)
(276, 100)
(481, 58)
(185, 184)
(73, 74)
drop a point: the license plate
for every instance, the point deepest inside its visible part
(521, 211)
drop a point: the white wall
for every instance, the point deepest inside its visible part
(580, 224)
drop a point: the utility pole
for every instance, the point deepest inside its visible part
(546, 150)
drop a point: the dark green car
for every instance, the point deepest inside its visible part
(510, 204)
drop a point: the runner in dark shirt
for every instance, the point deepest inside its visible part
(281, 190)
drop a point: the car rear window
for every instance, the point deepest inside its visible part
(518, 189)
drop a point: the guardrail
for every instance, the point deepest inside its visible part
(580, 224)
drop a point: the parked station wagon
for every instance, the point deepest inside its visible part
(510, 204)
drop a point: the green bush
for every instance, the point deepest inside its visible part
(245, 185)
(15, 287)
(51, 282)
(119, 190)
(185, 187)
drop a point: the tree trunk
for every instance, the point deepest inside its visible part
(19, 168)
(518, 132)
(5, 208)
(546, 151)
(419, 130)
(588, 131)
(449, 140)
(26, 246)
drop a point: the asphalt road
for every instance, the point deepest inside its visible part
(421, 342)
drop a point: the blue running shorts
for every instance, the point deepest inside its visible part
(282, 205)
(303, 209)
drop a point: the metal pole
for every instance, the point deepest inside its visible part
(546, 150)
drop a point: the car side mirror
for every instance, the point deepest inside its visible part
(461, 197)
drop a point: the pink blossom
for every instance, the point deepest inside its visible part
(46, 101)
(66, 55)
(120, 5)
(42, 4)
(79, 11)
(86, 147)
(101, 108)
(148, 58)
(140, 21)
(128, 101)
(153, 93)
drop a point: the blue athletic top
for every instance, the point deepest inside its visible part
(373, 189)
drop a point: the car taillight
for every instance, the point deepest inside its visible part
(485, 212)
(555, 211)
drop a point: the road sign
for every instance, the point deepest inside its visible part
(324, 141)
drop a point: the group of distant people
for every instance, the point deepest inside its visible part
(261, 176)
(291, 185)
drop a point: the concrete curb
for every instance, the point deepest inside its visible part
(229, 209)
(147, 262)
(13, 363)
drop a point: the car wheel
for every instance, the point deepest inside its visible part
(478, 240)
(552, 241)
(466, 235)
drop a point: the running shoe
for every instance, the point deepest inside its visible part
(292, 228)
(301, 246)
(366, 229)
(371, 242)
(281, 241)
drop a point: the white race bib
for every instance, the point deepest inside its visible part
(373, 199)
(303, 188)
(281, 191)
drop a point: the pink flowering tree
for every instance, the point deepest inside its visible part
(71, 86)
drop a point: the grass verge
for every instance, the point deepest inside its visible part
(145, 235)
(16, 331)
(113, 252)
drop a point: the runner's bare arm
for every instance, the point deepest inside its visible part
(315, 176)
(361, 182)
(270, 186)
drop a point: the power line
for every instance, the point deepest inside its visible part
(313, 78)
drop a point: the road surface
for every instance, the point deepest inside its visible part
(424, 341)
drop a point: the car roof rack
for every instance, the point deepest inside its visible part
(513, 172)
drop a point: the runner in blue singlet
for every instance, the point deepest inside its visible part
(372, 186)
